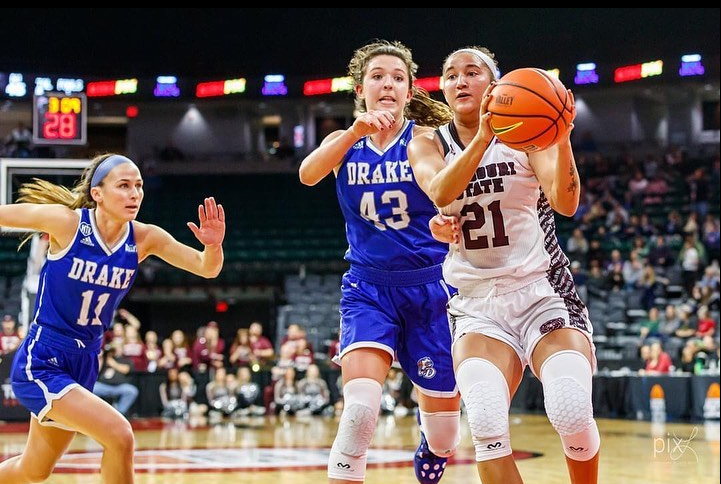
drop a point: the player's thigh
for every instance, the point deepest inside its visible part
(92, 416)
(45, 446)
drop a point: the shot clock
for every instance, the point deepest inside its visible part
(59, 119)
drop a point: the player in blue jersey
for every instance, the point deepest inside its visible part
(95, 247)
(394, 298)
(516, 304)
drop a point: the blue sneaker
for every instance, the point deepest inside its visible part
(428, 466)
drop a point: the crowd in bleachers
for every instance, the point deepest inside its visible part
(644, 246)
(644, 251)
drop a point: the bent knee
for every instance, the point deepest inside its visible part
(121, 440)
(36, 473)
(568, 406)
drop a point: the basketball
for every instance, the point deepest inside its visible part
(530, 109)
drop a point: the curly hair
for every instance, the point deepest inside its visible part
(422, 108)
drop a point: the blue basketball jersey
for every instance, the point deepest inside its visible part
(82, 286)
(385, 210)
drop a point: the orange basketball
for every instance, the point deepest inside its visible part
(530, 109)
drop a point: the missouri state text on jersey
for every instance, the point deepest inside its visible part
(100, 274)
(488, 179)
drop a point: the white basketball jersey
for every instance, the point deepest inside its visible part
(507, 225)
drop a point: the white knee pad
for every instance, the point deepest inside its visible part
(567, 381)
(442, 431)
(485, 393)
(361, 404)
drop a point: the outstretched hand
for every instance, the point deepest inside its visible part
(372, 122)
(212, 223)
(445, 228)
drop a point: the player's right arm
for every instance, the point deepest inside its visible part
(58, 221)
(328, 156)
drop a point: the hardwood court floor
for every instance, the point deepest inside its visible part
(294, 451)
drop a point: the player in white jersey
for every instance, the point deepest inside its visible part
(516, 303)
(95, 247)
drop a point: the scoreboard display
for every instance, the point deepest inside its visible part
(59, 119)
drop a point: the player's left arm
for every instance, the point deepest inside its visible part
(555, 168)
(154, 240)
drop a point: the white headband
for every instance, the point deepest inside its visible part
(486, 60)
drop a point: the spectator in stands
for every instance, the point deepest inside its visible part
(114, 382)
(134, 349)
(692, 225)
(262, 347)
(286, 360)
(641, 246)
(709, 285)
(660, 362)
(286, 395)
(686, 327)
(116, 335)
(222, 401)
(577, 246)
(636, 190)
(617, 219)
(175, 398)
(294, 333)
(168, 359)
(711, 237)
(304, 356)
(314, 391)
(207, 352)
(595, 253)
(248, 394)
(580, 278)
(649, 283)
(153, 352)
(690, 263)
(688, 358)
(650, 166)
(674, 224)
(644, 352)
(699, 190)
(181, 349)
(660, 256)
(614, 277)
(241, 353)
(706, 326)
(584, 207)
(651, 327)
(632, 271)
(9, 335)
(670, 322)
(632, 229)
(656, 190)
(596, 282)
(198, 411)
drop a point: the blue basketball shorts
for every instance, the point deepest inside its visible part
(48, 365)
(404, 314)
